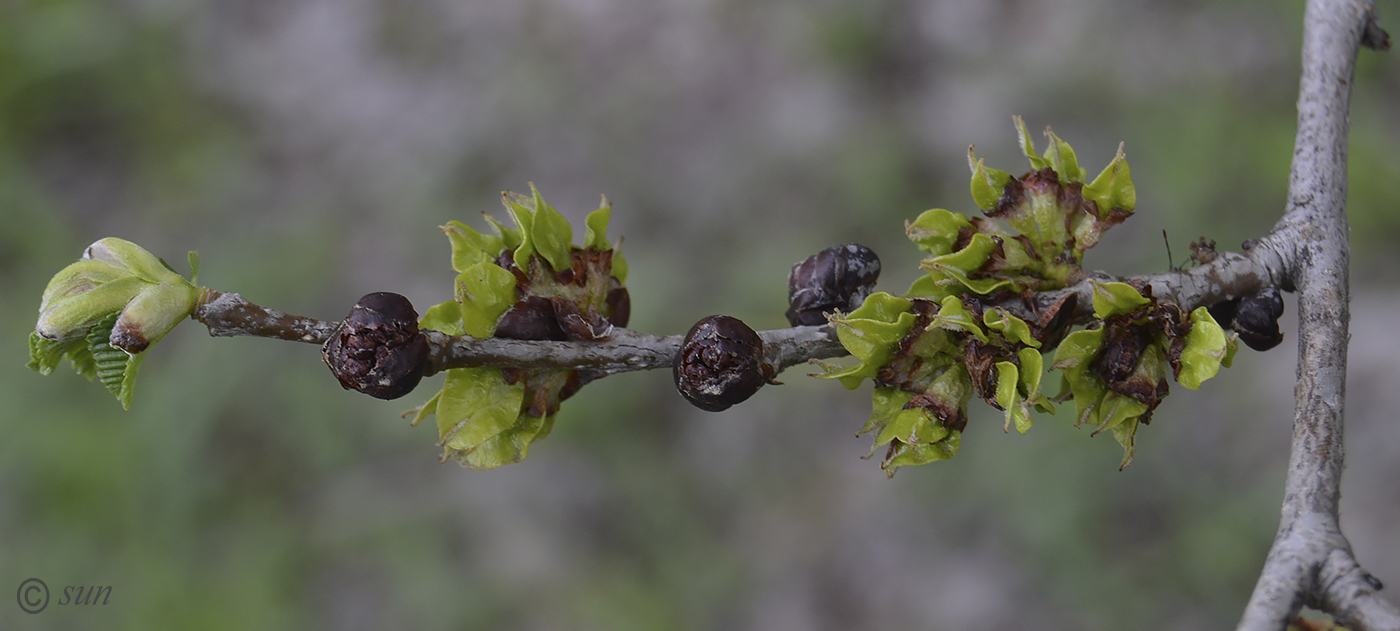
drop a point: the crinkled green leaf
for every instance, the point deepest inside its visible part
(971, 257)
(595, 233)
(421, 412)
(508, 447)
(1205, 351)
(930, 288)
(870, 333)
(954, 316)
(1113, 188)
(476, 404)
(1014, 328)
(1111, 299)
(1073, 358)
(1125, 434)
(486, 291)
(524, 216)
(445, 317)
(1061, 158)
(935, 231)
(552, 235)
(906, 455)
(885, 403)
(45, 355)
(988, 184)
(1028, 145)
(470, 246)
(1008, 397)
(911, 426)
(510, 237)
(116, 369)
(1115, 409)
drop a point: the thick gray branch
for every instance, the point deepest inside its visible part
(1310, 561)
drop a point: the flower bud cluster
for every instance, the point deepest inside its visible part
(527, 282)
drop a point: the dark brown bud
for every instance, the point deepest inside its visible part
(1256, 319)
(720, 364)
(377, 349)
(531, 319)
(837, 278)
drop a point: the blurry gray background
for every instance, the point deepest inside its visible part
(308, 149)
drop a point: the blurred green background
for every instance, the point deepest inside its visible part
(308, 149)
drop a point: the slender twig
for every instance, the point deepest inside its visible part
(1310, 561)
(228, 314)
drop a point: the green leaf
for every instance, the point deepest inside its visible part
(1125, 434)
(935, 231)
(968, 259)
(1007, 395)
(619, 264)
(1062, 159)
(45, 355)
(486, 291)
(954, 316)
(71, 311)
(929, 288)
(157, 310)
(475, 404)
(988, 184)
(445, 317)
(510, 237)
(1013, 328)
(421, 412)
(508, 447)
(1113, 188)
(116, 369)
(921, 454)
(193, 258)
(1028, 145)
(470, 246)
(552, 235)
(870, 333)
(1111, 299)
(524, 217)
(1206, 350)
(1073, 358)
(595, 234)
(131, 257)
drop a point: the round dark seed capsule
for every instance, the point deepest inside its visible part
(1256, 319)
(377, 349)
(720, 363)
(837, 278)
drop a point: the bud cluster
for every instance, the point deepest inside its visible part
(105, 310)
(527, 282)
(944, 342)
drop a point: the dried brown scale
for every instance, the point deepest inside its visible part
(951, 416)
(378, 349)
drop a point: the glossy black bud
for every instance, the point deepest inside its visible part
(837, 278)
(1256, 319)
(377, 349)
(531, 319)
(720, 364)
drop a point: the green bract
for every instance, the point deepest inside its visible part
(103, 311)
(488, 417)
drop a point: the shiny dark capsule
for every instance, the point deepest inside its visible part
(720, 363)
(837, 278)
(377, 349)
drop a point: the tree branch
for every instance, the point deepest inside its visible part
(1310, 561)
